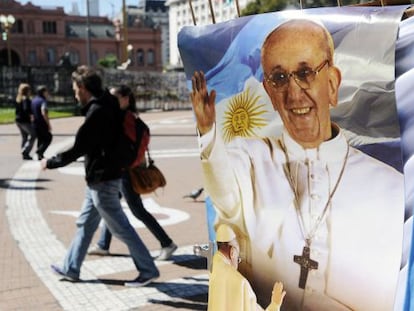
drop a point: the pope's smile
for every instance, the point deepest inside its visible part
(301, 111)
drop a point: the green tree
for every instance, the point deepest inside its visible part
(109, 61)
(265, 6)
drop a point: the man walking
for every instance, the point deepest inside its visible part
(41, 120)
(97, 139)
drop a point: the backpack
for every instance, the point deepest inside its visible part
(135, 139)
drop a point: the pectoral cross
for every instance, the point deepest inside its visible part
(306, 264)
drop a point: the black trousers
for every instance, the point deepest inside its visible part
(44, 138)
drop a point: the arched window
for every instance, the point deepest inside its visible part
(140, 57)
(150, 57)
(94, 58)
(74, 57)
(49, 27)
(32, 57)
(51, 56)
(30, 27)
(18, 26)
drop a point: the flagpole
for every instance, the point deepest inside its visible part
(192, 12)
(237, 8)
(211, 11)
(88, 35)
(124, 55)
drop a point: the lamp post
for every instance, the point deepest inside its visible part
(124, 54)
(88, 36)
(7, 23)
(130, 48)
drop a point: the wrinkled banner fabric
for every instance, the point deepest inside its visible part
(404, 86)
(373, 47)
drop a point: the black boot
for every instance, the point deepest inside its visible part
(27, 157)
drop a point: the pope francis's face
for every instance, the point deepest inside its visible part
(300, 81)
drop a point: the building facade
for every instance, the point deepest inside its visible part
(157, 11)
(151, 14)
(180, 15)
(43, 36)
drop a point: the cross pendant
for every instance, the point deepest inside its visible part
(306, 264)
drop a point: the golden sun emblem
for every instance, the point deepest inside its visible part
(242, 116)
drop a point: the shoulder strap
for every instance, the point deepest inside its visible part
(150, 160)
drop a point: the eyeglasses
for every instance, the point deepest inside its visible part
(303, 77)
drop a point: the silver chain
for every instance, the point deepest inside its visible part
(309, 236)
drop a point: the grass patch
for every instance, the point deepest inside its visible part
(7, 115)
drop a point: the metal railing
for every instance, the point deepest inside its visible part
(153, 90)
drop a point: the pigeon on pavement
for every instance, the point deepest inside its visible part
(194, 194)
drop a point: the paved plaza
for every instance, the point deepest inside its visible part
(37, 223)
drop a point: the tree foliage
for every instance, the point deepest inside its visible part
(265, 6)
(109, 61)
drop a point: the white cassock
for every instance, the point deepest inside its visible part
(229, 290)
(357, 242)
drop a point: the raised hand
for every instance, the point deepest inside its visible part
(278, 293)
(203, 103)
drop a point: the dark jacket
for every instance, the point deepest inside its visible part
(23, 111)
(97, 140)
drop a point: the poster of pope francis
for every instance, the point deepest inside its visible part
(300, 148)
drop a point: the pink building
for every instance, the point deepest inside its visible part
(42, 36)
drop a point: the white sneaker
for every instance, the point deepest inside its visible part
(96, 250)
(166, 252)
(140, 281)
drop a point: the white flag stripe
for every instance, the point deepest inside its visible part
(168, 153)
(174, 153)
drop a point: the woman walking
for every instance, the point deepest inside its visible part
(127, 102)
(24, 120)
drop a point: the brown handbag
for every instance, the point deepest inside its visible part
(146, 178)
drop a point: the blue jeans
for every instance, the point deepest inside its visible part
(137, 208)
(102, 200)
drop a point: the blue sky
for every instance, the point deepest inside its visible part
(106, 7)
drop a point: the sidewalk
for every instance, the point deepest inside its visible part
(38, 223)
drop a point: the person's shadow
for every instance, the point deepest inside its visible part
(12, 183)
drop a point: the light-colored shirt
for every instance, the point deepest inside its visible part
(358, 244)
